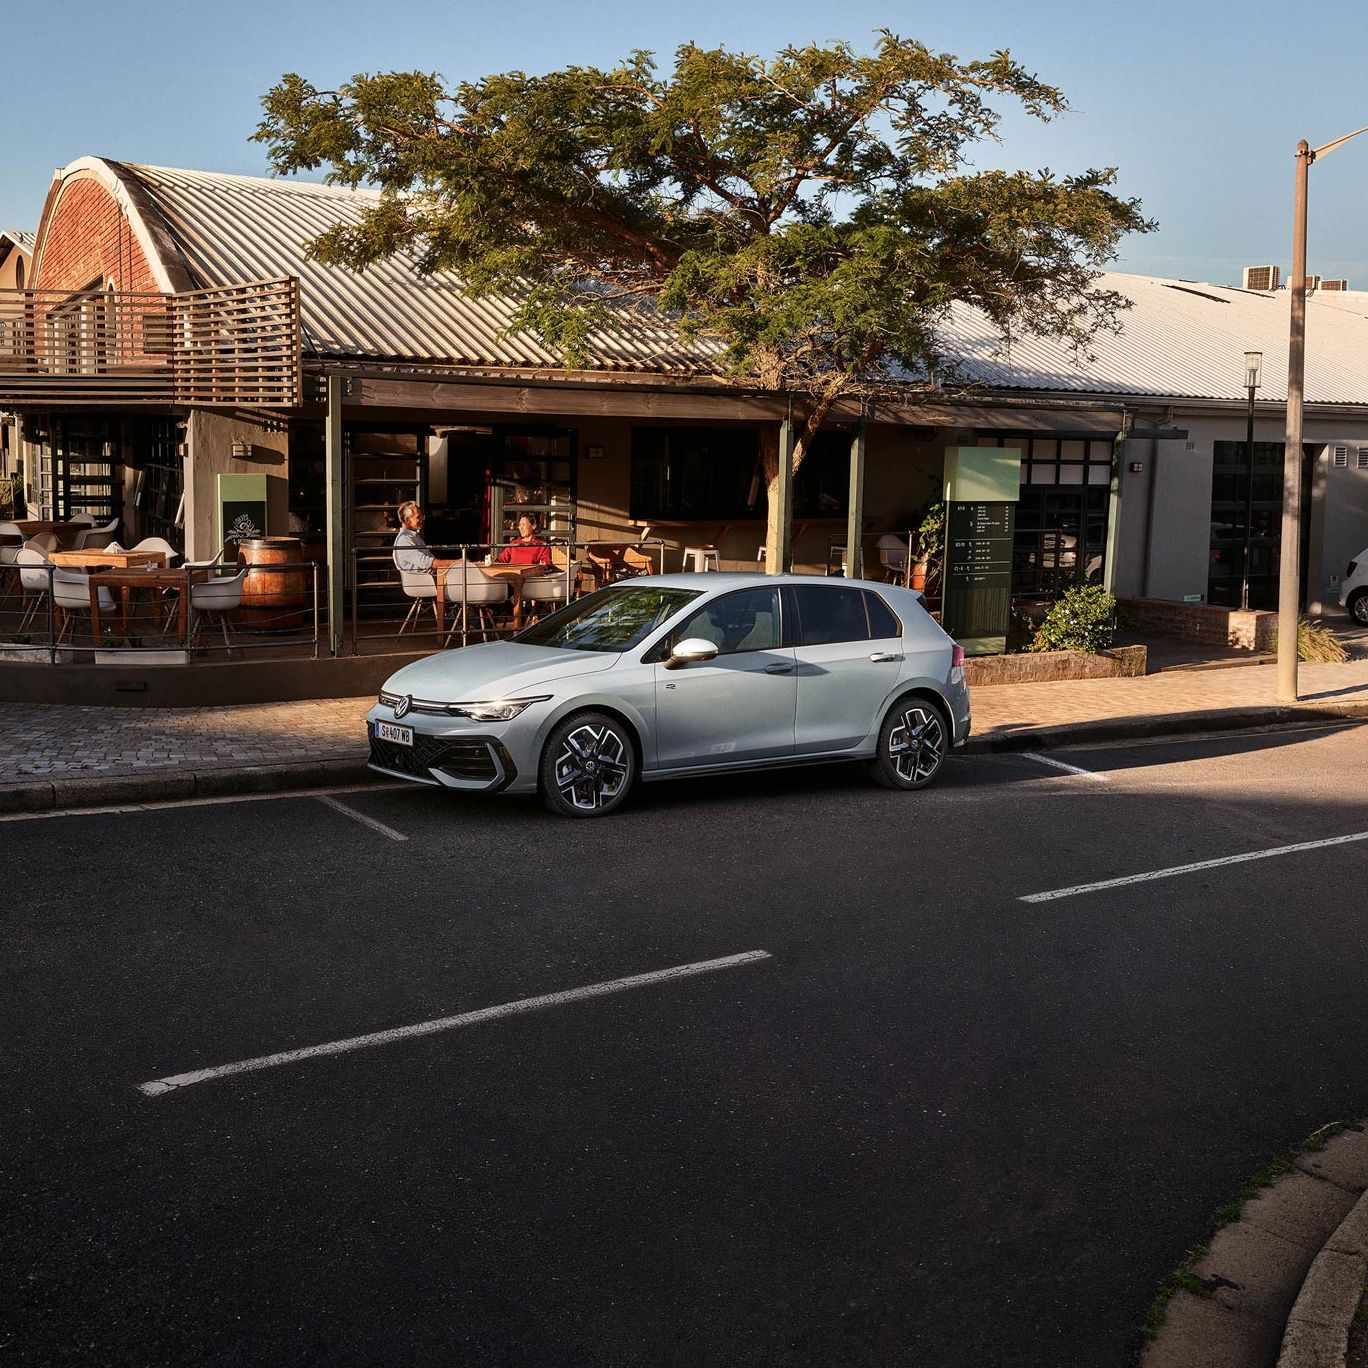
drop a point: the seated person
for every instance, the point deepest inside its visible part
(527, 548)
(410, 550)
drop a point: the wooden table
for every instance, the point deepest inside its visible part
(125, 581)
(35, 527)
(107, 560)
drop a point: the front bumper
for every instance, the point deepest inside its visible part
(479, 764)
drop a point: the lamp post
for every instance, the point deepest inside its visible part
(1253, 379)
(1289, 563)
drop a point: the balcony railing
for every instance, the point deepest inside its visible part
(228, 346)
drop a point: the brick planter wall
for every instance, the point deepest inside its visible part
(1250, 631)
(1043, 667)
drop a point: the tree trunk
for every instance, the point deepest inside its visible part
(769, 455)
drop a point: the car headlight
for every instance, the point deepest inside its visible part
(501, 710)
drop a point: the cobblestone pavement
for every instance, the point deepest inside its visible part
(42, 742)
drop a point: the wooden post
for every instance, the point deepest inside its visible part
(783, 500)
(333, 478)
(855, 516)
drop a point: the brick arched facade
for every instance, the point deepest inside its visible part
(87, 238)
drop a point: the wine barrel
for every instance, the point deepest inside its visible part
(275, 599)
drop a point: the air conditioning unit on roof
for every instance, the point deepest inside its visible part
(1313, 282)
(1334, 284)
(1262, 277)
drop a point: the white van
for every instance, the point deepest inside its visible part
(1354, 590)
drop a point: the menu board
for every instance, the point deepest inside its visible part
(977, 594)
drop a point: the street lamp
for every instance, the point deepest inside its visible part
(1253, 379)
(1289, 564)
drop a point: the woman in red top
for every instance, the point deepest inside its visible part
(527, 549)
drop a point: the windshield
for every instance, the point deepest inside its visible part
(613, 619)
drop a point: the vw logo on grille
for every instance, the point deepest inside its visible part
(403, 705)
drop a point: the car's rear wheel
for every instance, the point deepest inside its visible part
(588, 766)
(913, 743)
(1358, 607)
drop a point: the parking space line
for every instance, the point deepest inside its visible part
(159, 1086)
(348, 811)
(1175, 870)
(1060, 765)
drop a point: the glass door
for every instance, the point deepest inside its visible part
(532, 473)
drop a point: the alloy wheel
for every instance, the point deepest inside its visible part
(592, 767)
(916, 745)
(1358, 608)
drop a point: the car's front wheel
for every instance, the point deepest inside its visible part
(588, 766)
(913, 743)
(1358, 607)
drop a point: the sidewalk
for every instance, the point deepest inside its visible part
(62, 756)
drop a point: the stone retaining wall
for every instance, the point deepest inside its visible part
(1208, 622)
(1042, 667)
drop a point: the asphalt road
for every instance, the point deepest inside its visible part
(937, 1125)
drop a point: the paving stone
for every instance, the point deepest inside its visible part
(1199, 1332)
(1344, 1160)
(1267, 1271)
(1300, 1209)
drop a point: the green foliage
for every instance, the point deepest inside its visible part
(1082, 619)
(1317, 643)
(810, 216)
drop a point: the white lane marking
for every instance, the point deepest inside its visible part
(348, 811)
(158, 1086)
(1060, 765)
(121, 809)
(1175, 870)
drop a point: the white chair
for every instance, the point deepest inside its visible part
(703, 558)
(468, 584)
(421, 587)
(42, 544)
(34, 583)
(557, 588)
(218, 597)
(11, 543)
(71, 596)
(96, 538)
(893, 557)
(158, 544)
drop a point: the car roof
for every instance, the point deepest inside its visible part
(711, 581)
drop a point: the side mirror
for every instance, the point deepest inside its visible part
(690, 651)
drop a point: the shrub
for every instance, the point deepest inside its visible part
(1317, 642)
(1082, 619)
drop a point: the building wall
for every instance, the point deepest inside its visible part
(87, 238)
(210, 438)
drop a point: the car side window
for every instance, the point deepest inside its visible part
(882, 623)
(828, 614)
(745, 621)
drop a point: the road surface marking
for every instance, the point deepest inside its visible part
(1176, 870)
(158, 1086)
(1060, 765)
(348, 811)
(218, 800)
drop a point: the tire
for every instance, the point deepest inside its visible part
(1358, 607)
(913, 742)
(588, 766)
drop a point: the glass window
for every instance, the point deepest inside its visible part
(696, 473)
(613, 619)
(882, 623)
(827, 614)
(744, 621)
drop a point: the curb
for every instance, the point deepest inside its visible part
(165, 786)
(1282, 1283)
(997, 741)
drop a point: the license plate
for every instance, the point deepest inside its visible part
(388, 731)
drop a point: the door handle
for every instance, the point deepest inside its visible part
(882, 656)
(778, 669)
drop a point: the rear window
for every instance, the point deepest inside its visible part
(829, 614)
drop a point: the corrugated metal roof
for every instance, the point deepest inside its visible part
(18, 237)
(235, 228)
(1181, 339)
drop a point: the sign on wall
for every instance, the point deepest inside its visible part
(241, 511)
(982, 485)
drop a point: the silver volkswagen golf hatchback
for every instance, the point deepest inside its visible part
(674, 675)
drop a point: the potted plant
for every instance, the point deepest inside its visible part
(926, 570)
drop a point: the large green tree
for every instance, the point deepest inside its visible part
(811, 217)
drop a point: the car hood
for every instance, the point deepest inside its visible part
(493, 669)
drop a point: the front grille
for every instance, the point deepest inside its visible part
(469, 760)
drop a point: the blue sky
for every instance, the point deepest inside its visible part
(1199, 104)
